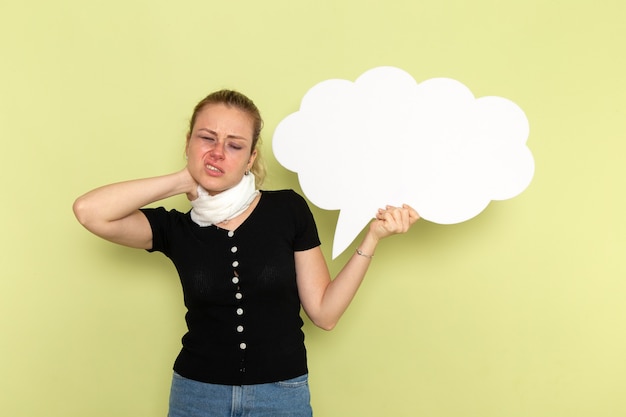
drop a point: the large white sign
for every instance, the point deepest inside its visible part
(386, 139)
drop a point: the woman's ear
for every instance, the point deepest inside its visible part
(187, 146)
(252, 159)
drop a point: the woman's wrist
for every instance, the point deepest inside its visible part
(368, 246)
(365, 255)
(187, 184)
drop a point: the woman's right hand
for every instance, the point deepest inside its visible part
(192, 193)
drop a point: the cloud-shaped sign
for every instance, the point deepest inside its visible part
(386, 139)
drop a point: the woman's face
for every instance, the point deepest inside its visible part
(219, 147)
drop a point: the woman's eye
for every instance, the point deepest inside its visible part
(235, 147)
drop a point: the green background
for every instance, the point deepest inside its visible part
(518, 312)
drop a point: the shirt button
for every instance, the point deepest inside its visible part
(235, 264)
(242, 346)
(235, 280)
(240, 329)
(231, 233)
(233, 249)
(240, 311)
(238, 295)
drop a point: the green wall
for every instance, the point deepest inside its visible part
(518, 312)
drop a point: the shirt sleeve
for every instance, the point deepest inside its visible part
(306, 236)
(160, 222)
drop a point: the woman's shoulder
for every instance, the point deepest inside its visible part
(286, 203)
(161, 214)
(282, 196)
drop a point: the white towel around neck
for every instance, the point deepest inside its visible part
(214, 209)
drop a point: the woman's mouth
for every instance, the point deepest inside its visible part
(213, 169)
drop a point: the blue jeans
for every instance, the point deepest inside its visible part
(289, 398)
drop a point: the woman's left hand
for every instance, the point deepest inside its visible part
(392, 220)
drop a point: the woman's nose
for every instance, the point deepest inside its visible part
(217, 151)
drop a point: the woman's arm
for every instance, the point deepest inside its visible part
(325, 301)
(112, 212)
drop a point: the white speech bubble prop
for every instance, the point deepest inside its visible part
(385, 139)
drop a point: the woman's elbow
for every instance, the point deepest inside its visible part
(80, 211)
(86, 216)
(327, 325)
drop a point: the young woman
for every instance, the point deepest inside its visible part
(247, 260)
